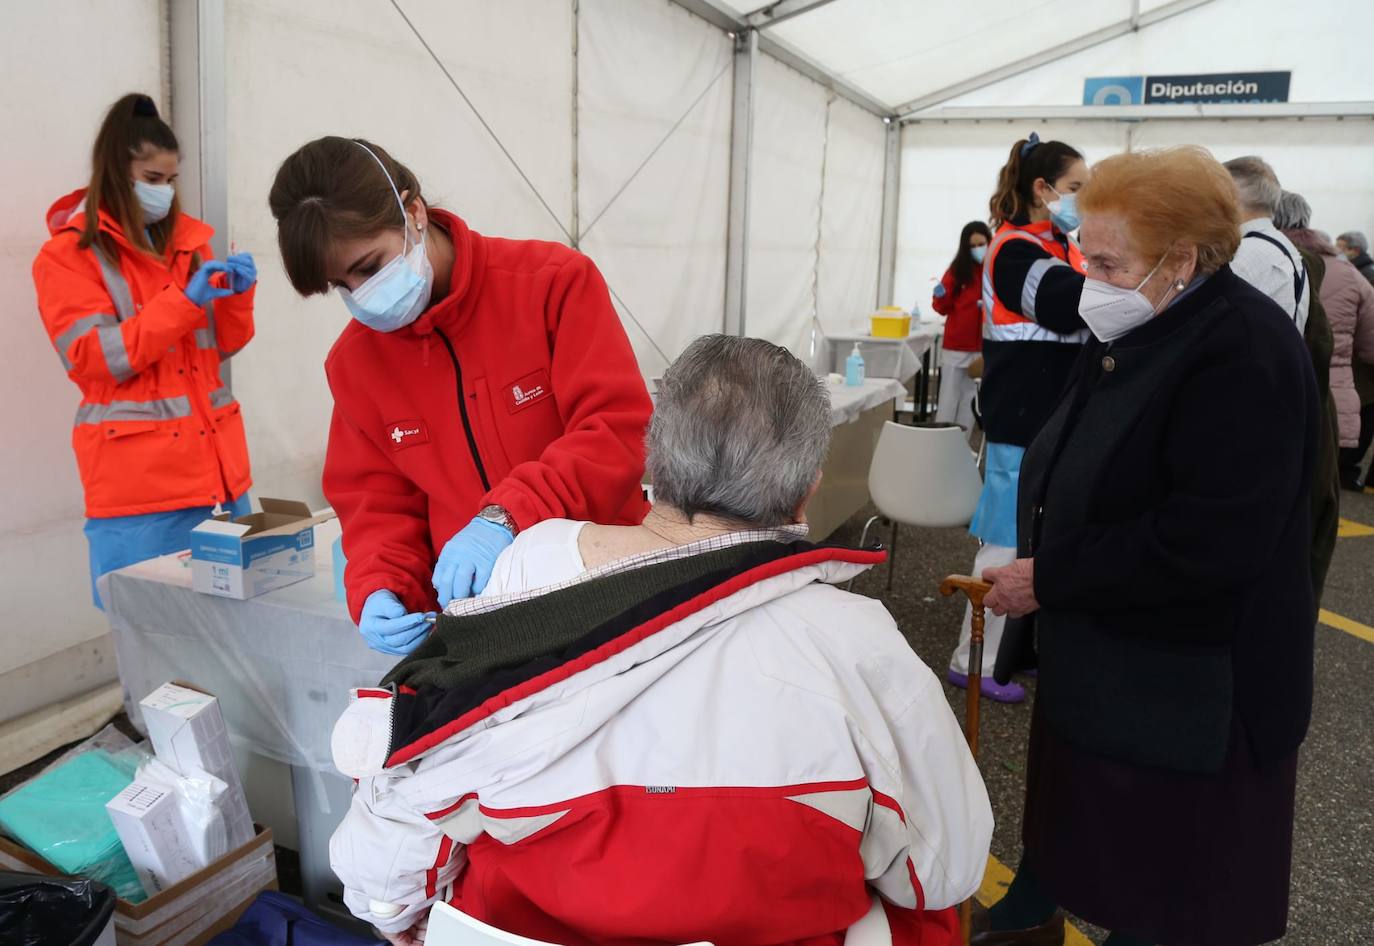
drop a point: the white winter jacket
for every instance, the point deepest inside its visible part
(743, 755)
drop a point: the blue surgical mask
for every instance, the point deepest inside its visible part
(979, 253)
(399, 292)
(1064, 211)
(155, 199)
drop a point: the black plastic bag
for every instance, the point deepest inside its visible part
(52, 911)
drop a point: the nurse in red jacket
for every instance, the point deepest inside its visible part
(484, 385)
(958, 297)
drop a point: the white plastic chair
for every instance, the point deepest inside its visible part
(922, 475)
(452, 927)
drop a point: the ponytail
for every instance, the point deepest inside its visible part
(1030, 160)
(131, 127)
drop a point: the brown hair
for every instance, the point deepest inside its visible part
(1030, 160)
(332, 189)
(1169, 197)
(130, 130)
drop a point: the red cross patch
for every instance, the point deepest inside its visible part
(406, 433)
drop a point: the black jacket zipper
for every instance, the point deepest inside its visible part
(463, 411)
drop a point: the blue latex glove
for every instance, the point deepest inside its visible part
(388, 628)
(465, 564)
(199, 290)
(940, 290)
(243, 272)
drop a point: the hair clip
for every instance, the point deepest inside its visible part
(144, 106)
(1030, 144)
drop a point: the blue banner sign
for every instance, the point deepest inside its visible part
(1214, 88)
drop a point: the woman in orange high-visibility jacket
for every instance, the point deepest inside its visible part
(141, 318)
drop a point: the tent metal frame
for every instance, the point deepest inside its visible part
(1268, 111)
(1135, 22)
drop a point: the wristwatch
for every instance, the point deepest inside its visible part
(498, 515)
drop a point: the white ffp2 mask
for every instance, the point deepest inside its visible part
(1112, 311)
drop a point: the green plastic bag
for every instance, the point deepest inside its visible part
(61, 815)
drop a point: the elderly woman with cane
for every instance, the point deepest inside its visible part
(1163, 531)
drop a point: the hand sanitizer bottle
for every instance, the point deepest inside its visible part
(854, 368)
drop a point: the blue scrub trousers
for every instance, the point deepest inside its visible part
(123, 540)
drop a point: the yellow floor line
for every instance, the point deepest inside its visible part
(1350, 529)
(1363, 631)
(997, 878)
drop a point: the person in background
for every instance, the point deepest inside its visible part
(1348, 300)
(673, 732)
(1267, 259)
(1171, 599)
(484, 385)
(142, 317)
(1356, 248)
(958, 297)
(1032, 333)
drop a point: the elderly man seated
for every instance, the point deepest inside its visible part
(673, 732)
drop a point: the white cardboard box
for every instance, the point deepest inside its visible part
(151, 829)
(245, 557)
(187, 731)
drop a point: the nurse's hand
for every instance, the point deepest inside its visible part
(465, 564)
(200, 290)
(1013, 589)
(388, 628)
(243, 272)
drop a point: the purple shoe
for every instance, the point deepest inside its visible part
(990, 688)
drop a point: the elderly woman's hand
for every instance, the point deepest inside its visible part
(1013, 588)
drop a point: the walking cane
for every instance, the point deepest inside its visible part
(977, 590)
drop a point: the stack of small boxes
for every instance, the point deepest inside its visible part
(188, 735)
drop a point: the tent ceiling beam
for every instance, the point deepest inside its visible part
(781, 12)
(787, 55)
(1136, 21)
(1144, 113)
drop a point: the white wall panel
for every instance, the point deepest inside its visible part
(65, 72)
(851, 222)
(654, 166)
(789, 138)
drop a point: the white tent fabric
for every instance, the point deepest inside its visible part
(896, 50)
(57, 56)
(785, 204)
(851, 219)
(816, 210)
(654, 167)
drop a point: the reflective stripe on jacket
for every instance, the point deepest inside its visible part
(1001, 323)
(1032, 278)
(156, 429)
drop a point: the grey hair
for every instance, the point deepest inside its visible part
(1257, 183)
(1293, 212)
(1355, 240)
(739, 431)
